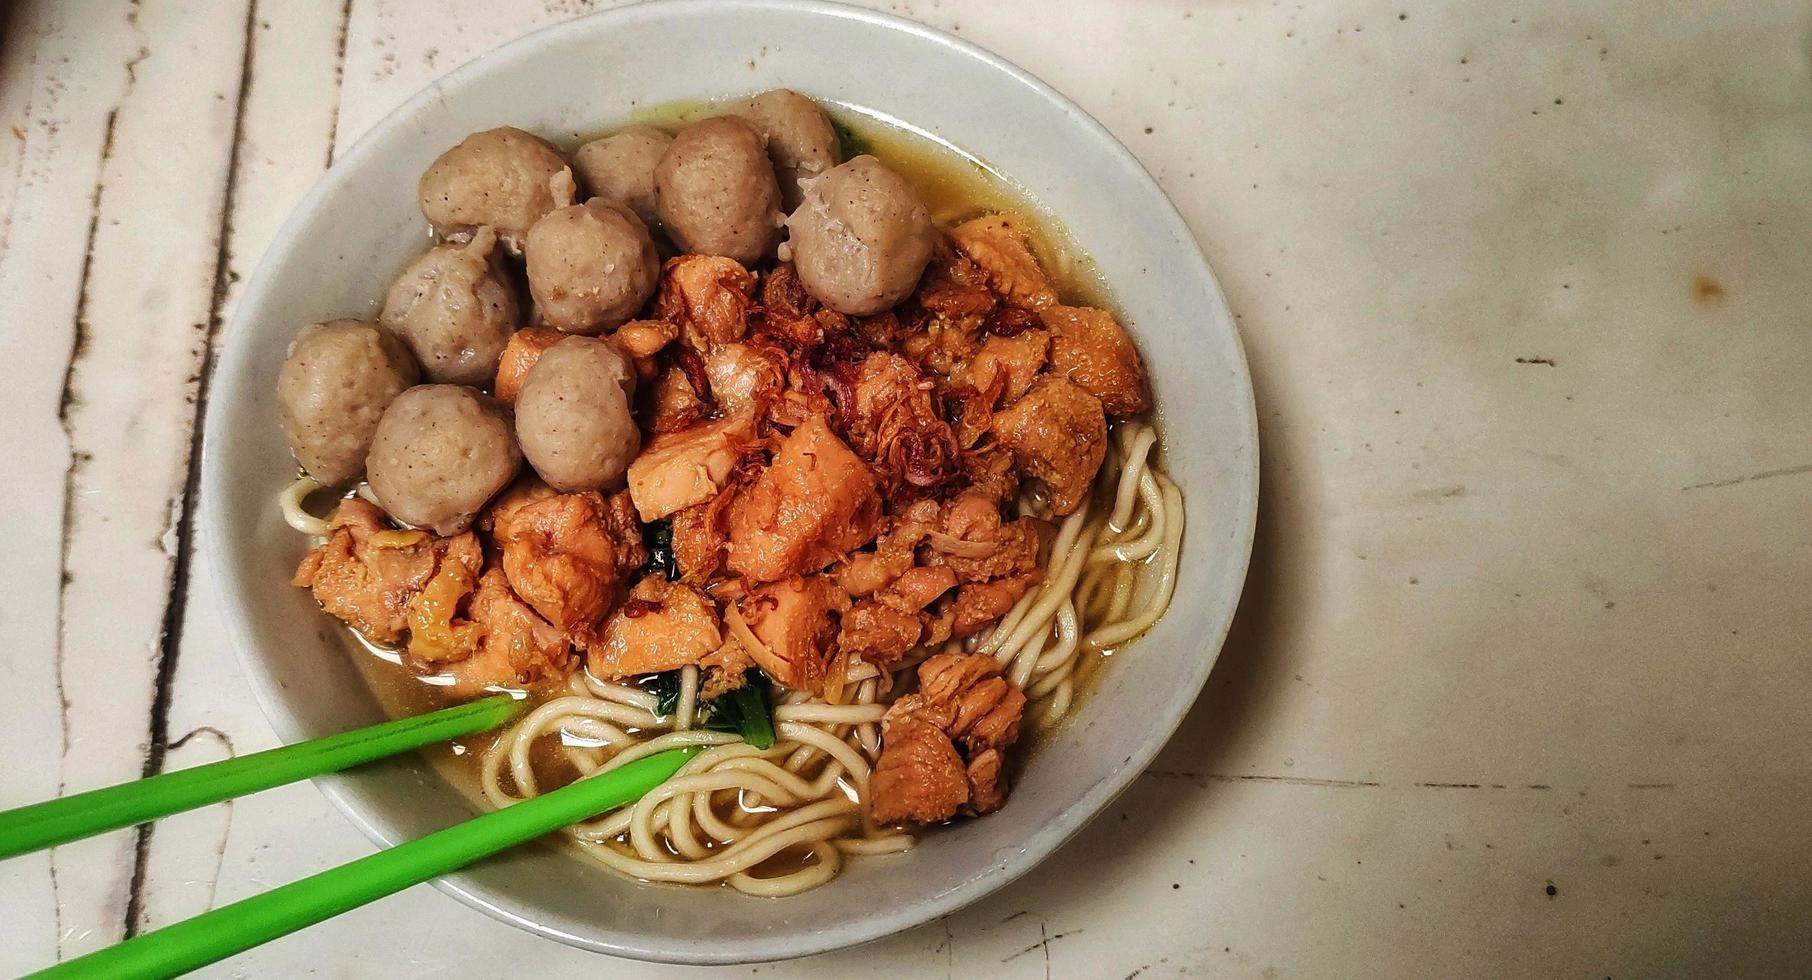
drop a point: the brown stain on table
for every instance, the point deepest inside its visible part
(1707, 290)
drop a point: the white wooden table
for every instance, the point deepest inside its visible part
(1520, 683)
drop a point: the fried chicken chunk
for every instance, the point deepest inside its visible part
(709, 296)
(943, 748)
(815, 503)
(680, 469)
(794, 620)
(567, 555)
(366, 572)
(663, 626)
(510, 644)
(926, 551)
(744, 378)
(1058, 434)
(699, 535)
(894, 423)
(879, 632)
(1012, 363)
(978, 545)
(524, 348)
(1089, 348)
(995, 243)
(981, 603)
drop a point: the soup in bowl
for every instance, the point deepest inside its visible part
(793, 415)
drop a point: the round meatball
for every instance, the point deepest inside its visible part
(801, 141)
(717, 191)
(620, 167)
(591, 266)
(861, 238)
(572, 415)
(334, 386)
(504, 178)
(456, 308)
(440, 453)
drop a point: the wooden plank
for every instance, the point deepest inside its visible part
(284, 135)
(62, 75)
(143, 293)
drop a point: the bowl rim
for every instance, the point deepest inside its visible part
(878, 924)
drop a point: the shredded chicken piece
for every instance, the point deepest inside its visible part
(919, 777)
(699, 535)
(523, 350)
(918, 587)
(895, 424)
(709, 296)
(366, 572)
(865, 572)
(816, 502)
(527, 489)
(882, 629)
(640, 340)
(997, 547)
(1089, 348)
(662, 626)
(745, 377)
(567, 555)
(879, 632)
(924, 553)
(996, 243)
(983, 707)
(1005, 367)
(435, 634)
(964, 710)
(795, 620)
(980, 603)
(511, 644)
(674, 405)
(680, 469)
(956, 288)
(955, 298)
(723, 670)
(1058, 434)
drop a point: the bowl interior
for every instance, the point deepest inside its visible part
(358, 226)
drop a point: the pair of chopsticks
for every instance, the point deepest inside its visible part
(242, 925)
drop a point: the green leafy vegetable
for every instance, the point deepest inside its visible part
(744, 711)
(657, 536)
(665, 687)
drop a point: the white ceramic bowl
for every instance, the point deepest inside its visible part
(360, 223)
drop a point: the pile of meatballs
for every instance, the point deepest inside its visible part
(404, 402)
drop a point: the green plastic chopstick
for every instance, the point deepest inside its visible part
(238, 927)
(40, 825)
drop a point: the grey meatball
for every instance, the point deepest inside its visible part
(504, 178)
(572, 416)
(717, 191)
(591, 266)
(334, 386)
(861, 238)
(440, 453)
(620, 167)
(455, 307)
(801, 141)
